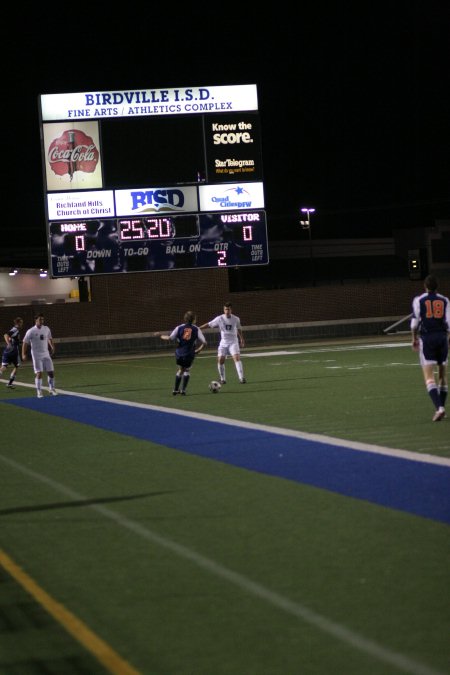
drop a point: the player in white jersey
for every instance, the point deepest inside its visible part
(231, 339)
(39, 339)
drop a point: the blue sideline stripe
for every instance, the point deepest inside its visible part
(415, 487)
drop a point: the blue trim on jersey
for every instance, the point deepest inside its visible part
(415, 487)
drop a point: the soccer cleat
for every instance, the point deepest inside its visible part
(10, 386)
(243, 381)
(53, 392)
(439, 415)
(40, 394)
(175, 392)
(183, 393)
(222, 381)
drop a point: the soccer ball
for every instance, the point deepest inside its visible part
(214, 387)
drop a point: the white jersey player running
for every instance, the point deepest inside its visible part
(39, 339)
(231, 340)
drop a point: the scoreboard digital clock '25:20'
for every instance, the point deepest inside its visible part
(139, 244)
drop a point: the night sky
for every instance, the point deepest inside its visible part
(353, 96)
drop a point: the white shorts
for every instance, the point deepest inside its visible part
(42, 364)
(228, 349)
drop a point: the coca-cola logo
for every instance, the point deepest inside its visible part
(73, 151)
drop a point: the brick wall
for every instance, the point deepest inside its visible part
(148, 302)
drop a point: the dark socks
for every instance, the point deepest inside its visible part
(434, 395)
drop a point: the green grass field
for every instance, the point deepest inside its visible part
(120, 555)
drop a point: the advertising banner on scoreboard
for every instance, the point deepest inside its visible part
(231, 196)
(233, 148)
(95, 204)
(148, 102)
(156, 200)
(72, 156)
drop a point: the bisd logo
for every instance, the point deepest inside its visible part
(146, 201)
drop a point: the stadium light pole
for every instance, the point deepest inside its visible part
(306, 225)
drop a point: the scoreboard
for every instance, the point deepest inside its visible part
(153, 180)
(87, 247)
